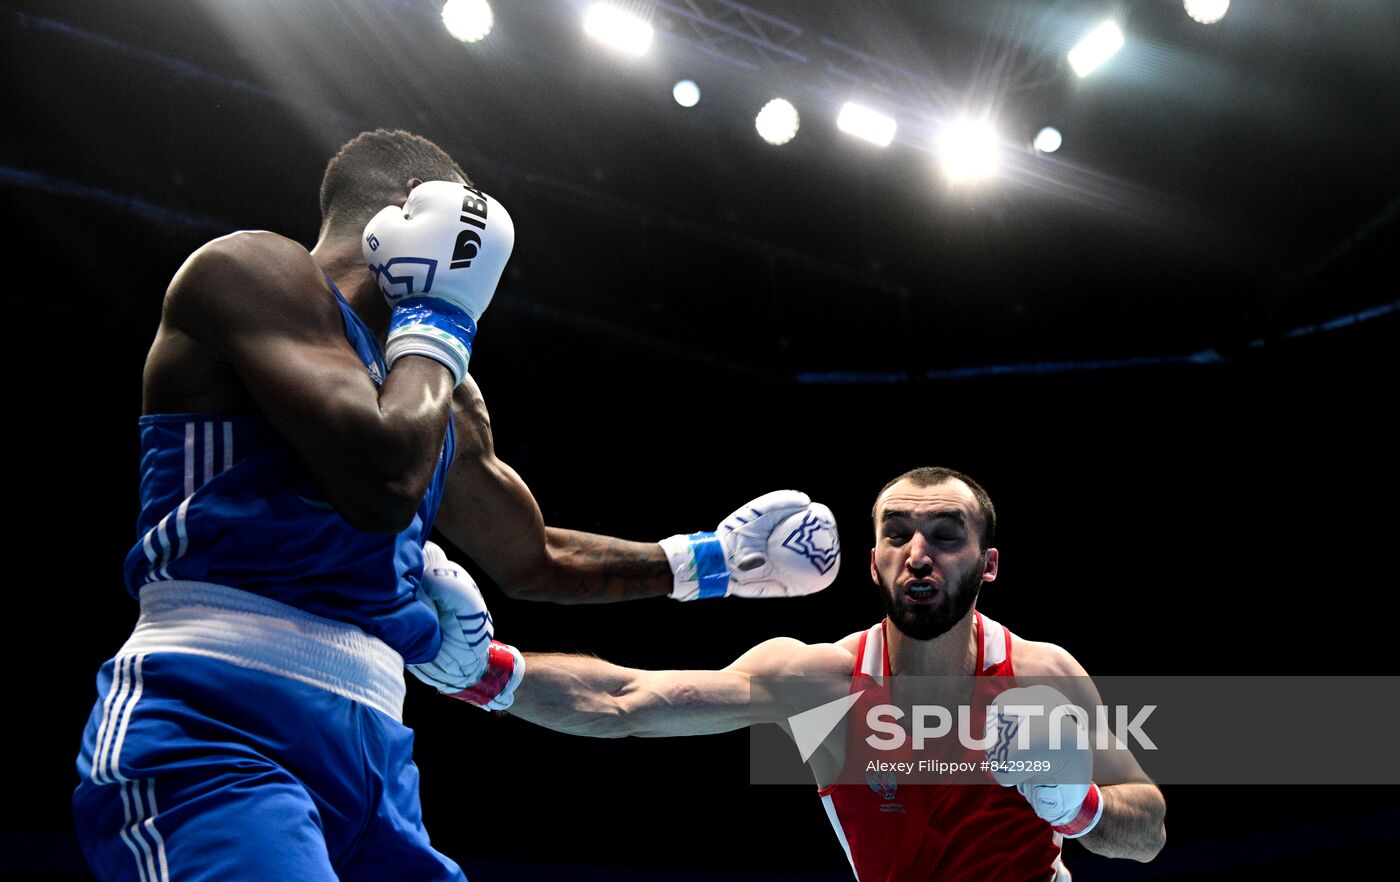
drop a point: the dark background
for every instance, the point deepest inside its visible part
(1168, 351)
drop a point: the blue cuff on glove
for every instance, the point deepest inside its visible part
(711, 567)
(433, 328)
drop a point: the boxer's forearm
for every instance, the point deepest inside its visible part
(575, 567)
(582, 695)
(1132, 823)
(588, 568)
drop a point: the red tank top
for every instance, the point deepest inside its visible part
(950, 832)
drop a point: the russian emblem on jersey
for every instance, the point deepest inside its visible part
(883, 783)
(815, 539)
(887, 786)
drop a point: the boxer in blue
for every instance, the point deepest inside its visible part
(308, 419)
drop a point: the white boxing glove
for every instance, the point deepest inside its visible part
(438, 261)
(470, 666)
(781, 544)
(1054, 775)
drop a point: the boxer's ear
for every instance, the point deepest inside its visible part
(408, 186)
(989, 569)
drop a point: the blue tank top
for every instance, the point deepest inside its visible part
(224, 499)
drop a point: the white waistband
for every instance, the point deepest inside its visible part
(251, 631)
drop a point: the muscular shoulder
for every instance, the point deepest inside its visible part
(1036, 659)
(787, 657)
(247, 279)
(248, 256)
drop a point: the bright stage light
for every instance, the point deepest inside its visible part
(866, 123)
(467, 20)
(1207, 11)
(969, 151)
(686, 93)
(621, 30)
(777, 122)
(1047, 140)
(1092, 51)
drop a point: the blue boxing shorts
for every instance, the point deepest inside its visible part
(237, 738)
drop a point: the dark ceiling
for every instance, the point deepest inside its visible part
(1219, 185)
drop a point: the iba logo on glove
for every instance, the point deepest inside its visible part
(440, 237)
(816, 540)
(468, 243)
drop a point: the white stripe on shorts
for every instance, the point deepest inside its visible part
(208, 454)
(189, 459)
(135, 843)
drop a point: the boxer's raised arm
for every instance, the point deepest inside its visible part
(1100, 796)
(1132, 822)
(259, 303)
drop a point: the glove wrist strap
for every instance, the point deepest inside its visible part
(698, 564)
(432, 328)
(1084, 820)
(496, 688)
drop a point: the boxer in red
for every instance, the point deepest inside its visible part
(934, 535)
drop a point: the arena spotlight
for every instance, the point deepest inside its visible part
(866, 124)
(1091, 52)
(467, 20)
(777, 122)
(619, 29)
(1207, 11)
(686, 93)
(969, 150)
(1047, 140)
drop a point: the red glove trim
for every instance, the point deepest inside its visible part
(1086, 818)
(500, 667)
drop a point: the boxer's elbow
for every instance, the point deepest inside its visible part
(390, 514)
(379, 487)
(1159, 842)
(375, 503)
(1144, 849)
(527, 583)
(543, 572)
(1137, 831)
(1156, 838)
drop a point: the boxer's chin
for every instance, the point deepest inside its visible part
(927, 621)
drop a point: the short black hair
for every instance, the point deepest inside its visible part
(370, 170)
(929, 476)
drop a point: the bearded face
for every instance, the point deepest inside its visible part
(928, 559)
(923, 611)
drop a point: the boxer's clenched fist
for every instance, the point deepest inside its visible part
(438, 260)
(470, 666)
(781, 544)
(1042, 749)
